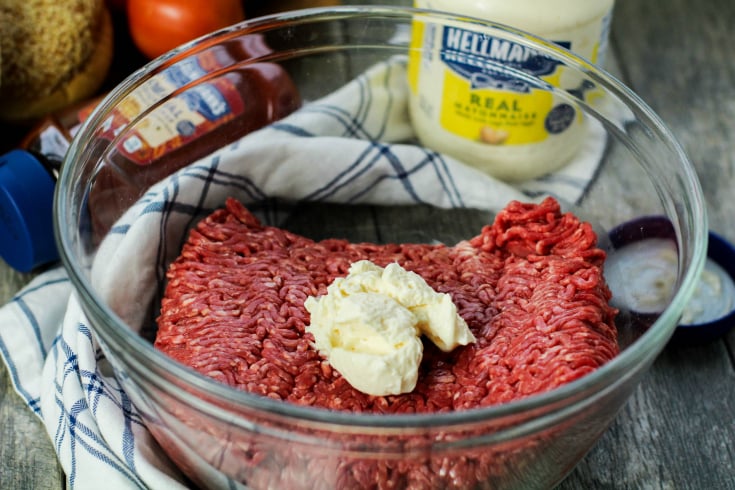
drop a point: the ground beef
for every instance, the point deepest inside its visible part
(530, 287)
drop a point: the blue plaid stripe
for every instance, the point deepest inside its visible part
(34, 338)
(72, 432)
(30, 315)
(350, 127)
(31, 400)
(33, 322)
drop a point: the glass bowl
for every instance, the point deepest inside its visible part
(120, 221)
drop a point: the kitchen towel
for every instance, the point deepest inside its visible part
(348, 147)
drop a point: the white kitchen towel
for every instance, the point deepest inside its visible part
(348, 147)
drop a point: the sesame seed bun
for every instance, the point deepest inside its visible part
(54, 53)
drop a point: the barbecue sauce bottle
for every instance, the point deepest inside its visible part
(187, 121)
(162, 125)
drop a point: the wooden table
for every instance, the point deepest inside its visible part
(677, 430)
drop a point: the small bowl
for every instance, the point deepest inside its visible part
(648, 243)
(722, 253)
(220, 436)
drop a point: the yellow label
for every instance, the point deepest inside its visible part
(162, 124)
(459, 79)
(414, 55)
(493, 116)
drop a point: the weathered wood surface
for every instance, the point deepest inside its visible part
(676, 432)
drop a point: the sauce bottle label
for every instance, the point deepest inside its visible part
(52, 143)
(181, 118)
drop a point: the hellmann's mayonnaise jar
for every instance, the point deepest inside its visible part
(473, 110)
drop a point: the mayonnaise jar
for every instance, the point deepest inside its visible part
(468, 110)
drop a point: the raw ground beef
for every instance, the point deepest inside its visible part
(529, 286)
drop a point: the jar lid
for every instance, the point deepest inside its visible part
(26, 212)
(642, 268)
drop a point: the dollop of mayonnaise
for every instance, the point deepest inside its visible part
(369, 323)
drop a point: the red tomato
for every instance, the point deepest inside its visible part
(157, 26)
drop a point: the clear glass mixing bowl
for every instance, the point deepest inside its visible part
(224, 438)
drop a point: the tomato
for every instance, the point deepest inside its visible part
(157, 26)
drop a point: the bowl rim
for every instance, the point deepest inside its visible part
(112, 329)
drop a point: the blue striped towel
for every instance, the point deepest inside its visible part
(328, 151)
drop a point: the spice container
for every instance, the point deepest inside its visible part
(471, 110)
(27, 180)
(26, 201)
(188, 123)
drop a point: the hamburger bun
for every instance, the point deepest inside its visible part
(54, 53)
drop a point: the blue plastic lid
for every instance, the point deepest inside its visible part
(26, 212)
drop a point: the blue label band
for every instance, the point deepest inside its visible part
(490, 62)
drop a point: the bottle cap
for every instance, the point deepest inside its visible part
(26, 212)
(641, 272)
